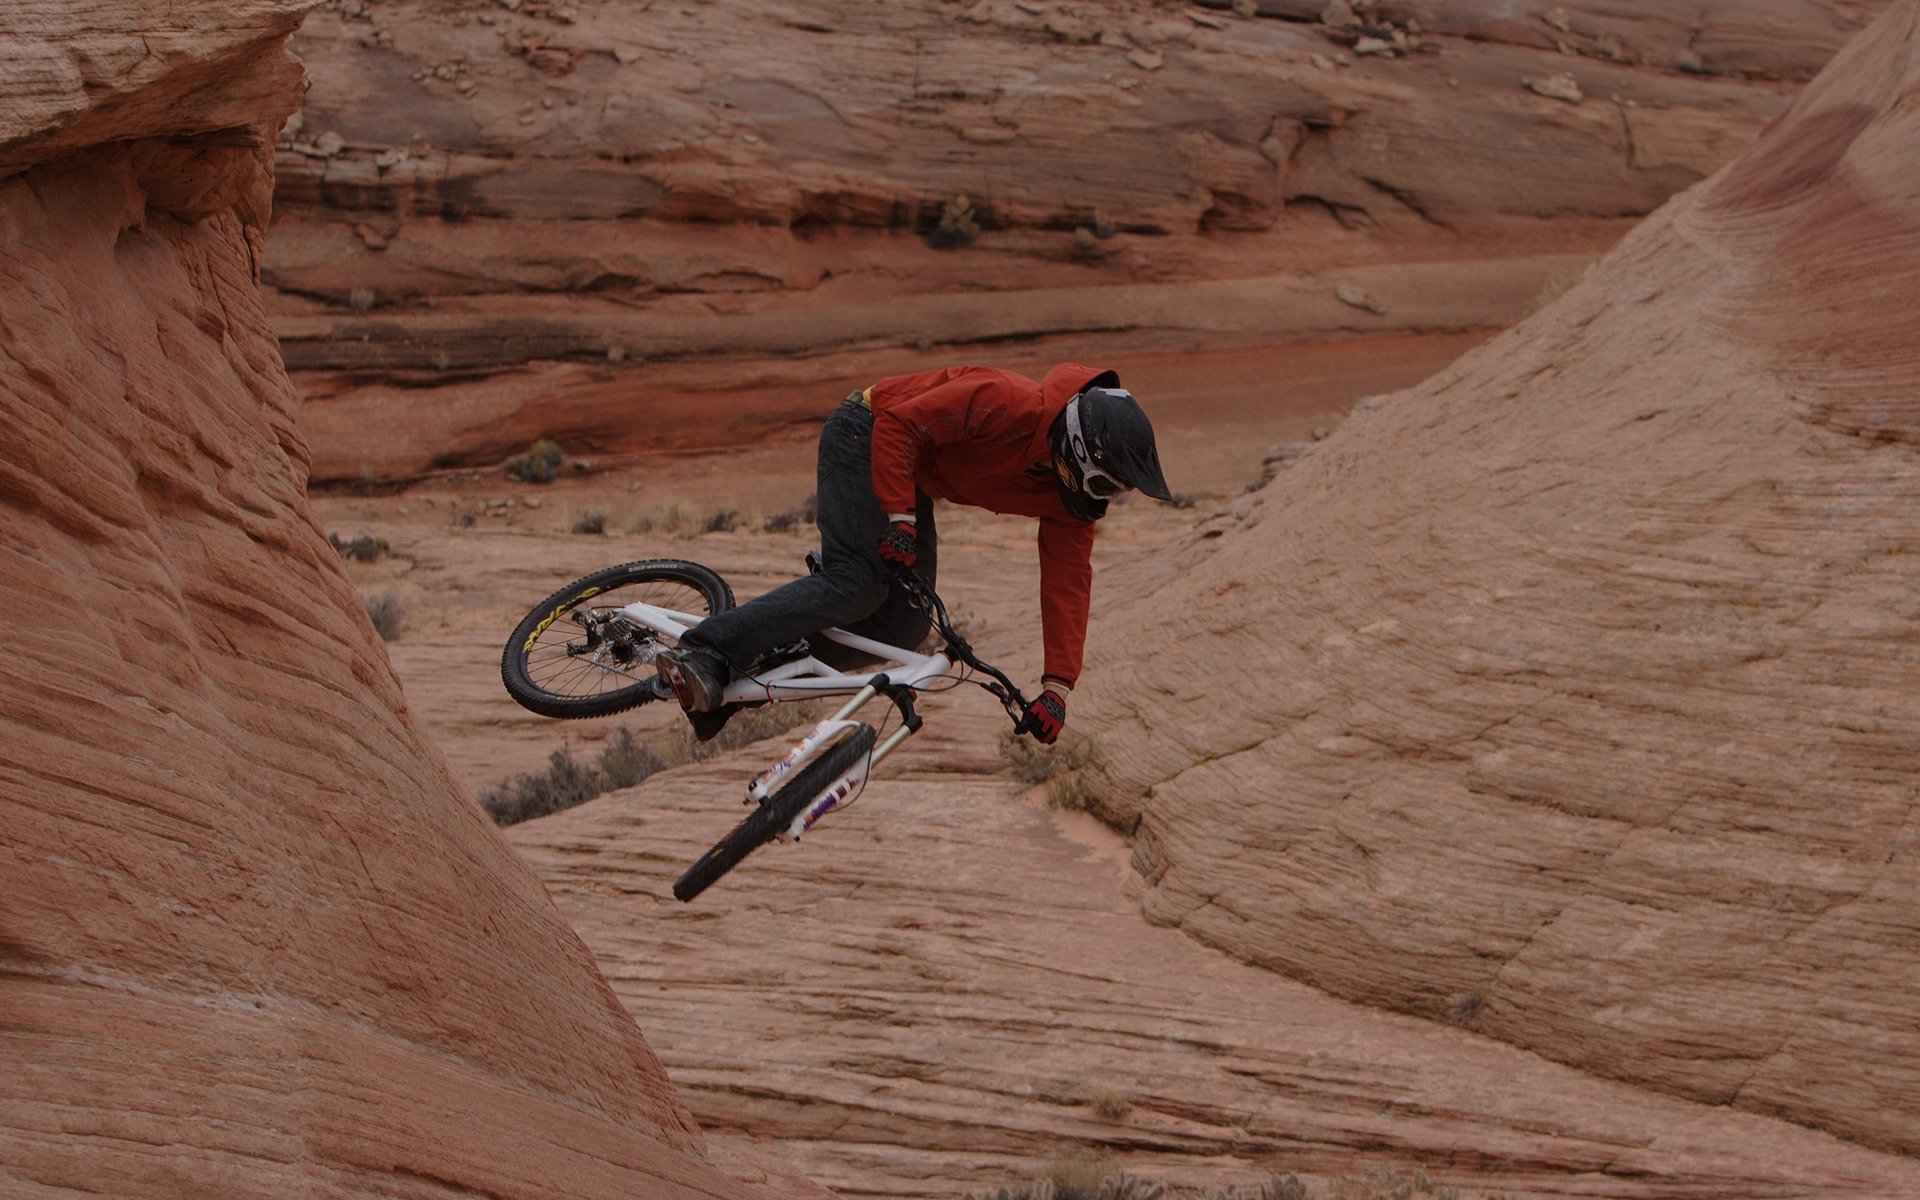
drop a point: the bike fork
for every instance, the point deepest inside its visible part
(837, 793)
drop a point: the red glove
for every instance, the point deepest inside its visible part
(900, 548)
(1046, 717)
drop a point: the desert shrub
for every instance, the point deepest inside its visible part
(565, 783)
(387, 612)
(793, 518)
(1067, 792)
(1085, 244)
(361, 299)
(540, 464)
(361, 547)
(624, 761)
(1081, 1178)
(957, 227)
(1110, 1104)
(679, 520)
(590, 520)
(1030, 762)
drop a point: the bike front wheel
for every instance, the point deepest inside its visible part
(776, 812)
(572, 656)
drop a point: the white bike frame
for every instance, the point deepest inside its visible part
(807, 678)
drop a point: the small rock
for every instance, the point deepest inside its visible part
(1374, 45)
(369, 236)
(632, 54)
(1355, 295)
(1032, 10)
(1559, 19)
(1208, 20)
(1687, 60)
(1321, 433)
(390, 158)
(1321, 61)
(1555, 87)
(1246, 8)
(329, 144)
(1146, 60)
(1339, 14)
(531, 502)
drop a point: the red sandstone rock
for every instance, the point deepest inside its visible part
(254, 938)
(1572, 694)
(730, 180)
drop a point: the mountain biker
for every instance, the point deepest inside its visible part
(1057, 450)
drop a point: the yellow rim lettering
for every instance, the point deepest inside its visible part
(555, 616)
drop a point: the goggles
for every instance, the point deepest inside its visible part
(1093, 481)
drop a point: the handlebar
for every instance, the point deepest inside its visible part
(1003, 689)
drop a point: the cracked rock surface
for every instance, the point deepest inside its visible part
(1572, 693)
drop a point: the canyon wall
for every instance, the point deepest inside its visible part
(1571, 696)
(603, 221)
(254, 940)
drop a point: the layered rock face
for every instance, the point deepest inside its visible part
(1571, 696)
(253, 938)
(528, 217)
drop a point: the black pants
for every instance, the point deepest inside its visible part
(853, 590)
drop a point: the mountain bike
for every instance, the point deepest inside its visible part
(588, 651)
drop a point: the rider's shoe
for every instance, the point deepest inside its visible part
(707, 725)
(696, 676)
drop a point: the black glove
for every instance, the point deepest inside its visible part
(900, 548)
(1045, 718)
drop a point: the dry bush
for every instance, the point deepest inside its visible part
(793, 518)
(957, 225)
(387, 612)
(681, 520)
(1082, 1178)
(362, 547)
(1068, 793)
(590, 520)
(1030, 762)
(1110, 1104)
(565, 783)
(624, 761)
(540, 464)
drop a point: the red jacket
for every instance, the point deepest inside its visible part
(979, 436)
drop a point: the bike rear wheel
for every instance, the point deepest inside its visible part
(776, 812)
(566, 658)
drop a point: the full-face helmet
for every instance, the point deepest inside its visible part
(1102, 446)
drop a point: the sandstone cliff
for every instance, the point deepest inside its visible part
(253, 938)
(509, 219)
(1571, 696)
